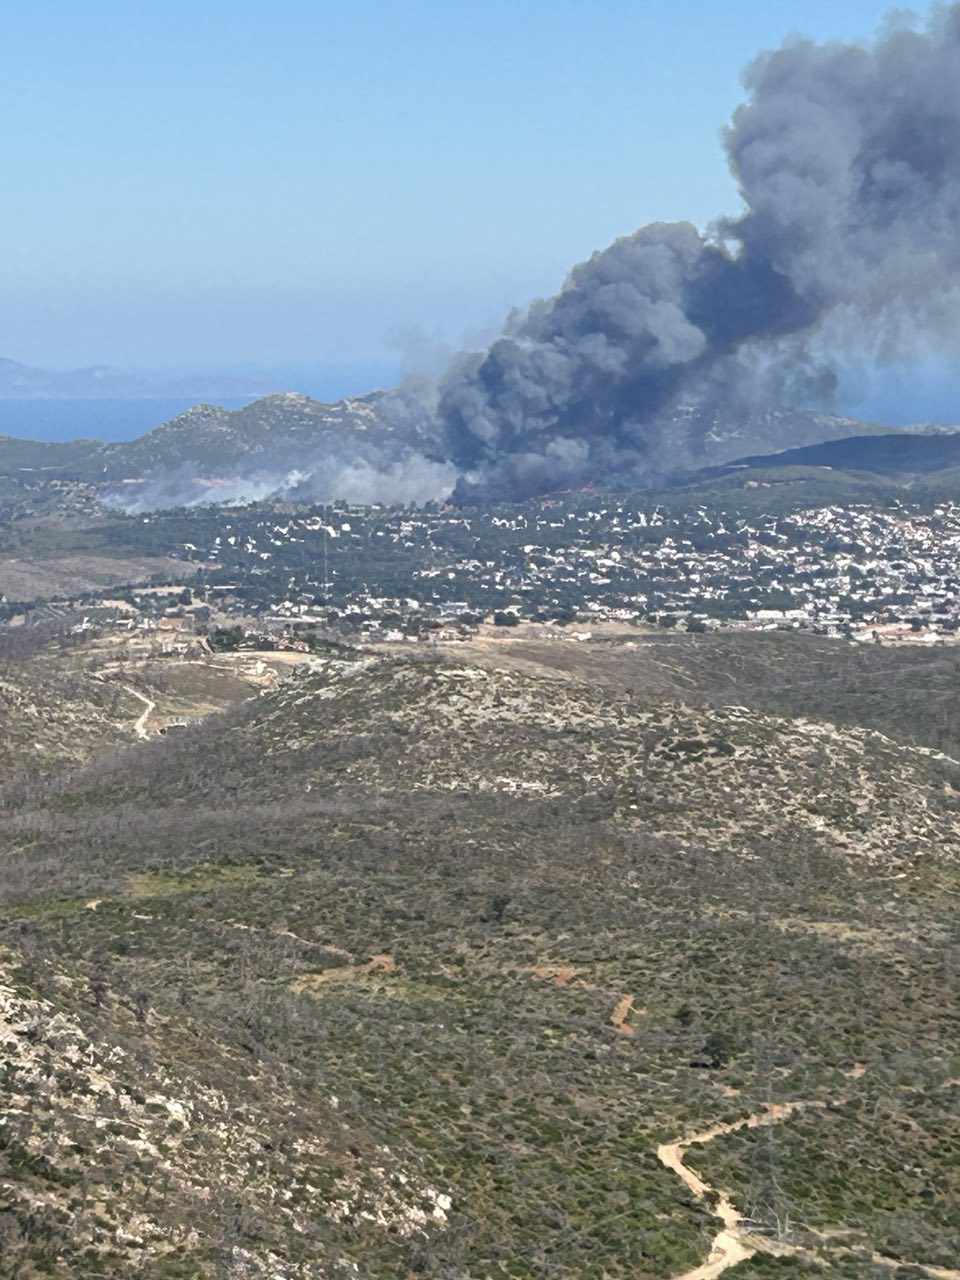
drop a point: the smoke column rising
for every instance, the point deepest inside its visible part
(847, 158)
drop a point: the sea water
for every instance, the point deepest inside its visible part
(94, 419)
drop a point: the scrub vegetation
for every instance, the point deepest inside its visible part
(409, 966)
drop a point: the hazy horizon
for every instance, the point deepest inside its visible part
(929, 399)
(300, 184)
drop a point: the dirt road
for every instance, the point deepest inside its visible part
(732, 1245)
(140, 726)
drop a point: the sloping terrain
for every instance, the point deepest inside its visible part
(26, 578)
(65, 700)
(49, 717)
(289, 444)
(24, 456)
(905, 454)
(907, 692)
(54, 710)
(841, 467)
(276, 431)
(284, 445)
(411, 966)
(707, 433)
(273, 432)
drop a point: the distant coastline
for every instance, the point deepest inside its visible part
(55, 419)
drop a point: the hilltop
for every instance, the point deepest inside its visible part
(279, 427)
(907, 456)
(69, 695)
(712, 434)
(274, 433)
(418, 966)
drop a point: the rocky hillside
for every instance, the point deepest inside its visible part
(274, 433)
(434, 966)
(67, 699)
(52, 717)
(706, 434)
(294, 446)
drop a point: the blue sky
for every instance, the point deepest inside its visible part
(227, 181)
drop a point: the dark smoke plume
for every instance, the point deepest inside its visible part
(848, 162)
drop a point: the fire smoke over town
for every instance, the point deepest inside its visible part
(847, 158)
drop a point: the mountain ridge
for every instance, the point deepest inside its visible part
(911, 453)
(286, 444)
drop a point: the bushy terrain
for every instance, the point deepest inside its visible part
(53, 710)
(65, 698)
(409, 966)
(907, 692)
(907, 454)
(272, 434)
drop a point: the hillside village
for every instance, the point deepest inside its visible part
(877, 572)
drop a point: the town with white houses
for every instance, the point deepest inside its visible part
(877, 573)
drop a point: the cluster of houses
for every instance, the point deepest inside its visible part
(873, 572)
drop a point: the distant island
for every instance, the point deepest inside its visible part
(102, 382)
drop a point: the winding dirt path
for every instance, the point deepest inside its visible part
(140, 726)
(619, 1018)
(732, 1245)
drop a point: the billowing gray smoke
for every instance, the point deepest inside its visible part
(848, 161)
